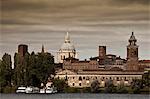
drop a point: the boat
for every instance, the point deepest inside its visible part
(42, 90)
(48, 90)
(21, 90)
(29, 90)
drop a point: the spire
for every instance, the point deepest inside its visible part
(132, 39)
(67, 38)
(132, 33)
(42, 48)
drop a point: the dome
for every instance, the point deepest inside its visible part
(67, 46)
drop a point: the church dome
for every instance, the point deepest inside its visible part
(67, 45)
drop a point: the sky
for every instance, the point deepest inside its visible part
(90, 23)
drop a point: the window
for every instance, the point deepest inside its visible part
(64, 57)
(73, 84)
(103, 78)
(83, 77)
(80, 78)
(79, 84)
(117, 78)
(73, 77)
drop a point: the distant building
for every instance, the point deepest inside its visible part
(104, 67)
(22, 49)
(67, 50)
(132, 54)
(85, 78)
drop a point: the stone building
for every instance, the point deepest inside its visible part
(67, 50)
(85, 78)
(104, 67)
(132, 54)
(22, 49)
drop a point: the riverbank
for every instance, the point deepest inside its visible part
(125, 90)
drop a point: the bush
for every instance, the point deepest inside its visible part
(9, 89)
(122, 89)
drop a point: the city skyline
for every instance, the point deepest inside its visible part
(90, 23)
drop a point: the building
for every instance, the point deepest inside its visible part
(67, 50)
(22, 49)
(104, 67)
(132, 54)
(85, 78)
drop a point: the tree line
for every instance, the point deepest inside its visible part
(29, 70)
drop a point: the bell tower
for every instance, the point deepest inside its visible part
(132, 54)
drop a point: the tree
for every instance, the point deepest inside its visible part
(109, 87)
(33, 69)
(60, 84)
(95, 86)
(121, 89)
(5, 71)
(136, 85)
(146, 79)
(45, 64)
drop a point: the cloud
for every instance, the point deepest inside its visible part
(93, 22)
(63, 11)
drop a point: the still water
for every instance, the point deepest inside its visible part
(74, 96)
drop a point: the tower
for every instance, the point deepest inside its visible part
(42, 49)
(132, 54)
(102, 54)
(22, 49)
(67, 50)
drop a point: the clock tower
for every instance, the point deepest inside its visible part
(132, 54)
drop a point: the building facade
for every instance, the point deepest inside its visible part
(85, 78)
(104, 67)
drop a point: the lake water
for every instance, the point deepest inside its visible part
(74, 96)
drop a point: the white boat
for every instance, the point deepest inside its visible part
(48, 90)
(42, 90)
(29, 90)
(21, 90)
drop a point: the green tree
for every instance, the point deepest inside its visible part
(45, 64)
(109, 87)
(121, 89)
(20, 69)
(60, 84)
(95, 86)
(5, 71)
(146, 79)
(136, 85)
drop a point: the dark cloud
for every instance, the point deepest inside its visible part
(130, 2)
(101, 20)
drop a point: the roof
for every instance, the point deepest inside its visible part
(144, 61)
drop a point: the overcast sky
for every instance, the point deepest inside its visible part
(90, 23)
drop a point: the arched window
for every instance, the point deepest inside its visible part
(64, 56)
(79, 84)
(80, 78)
